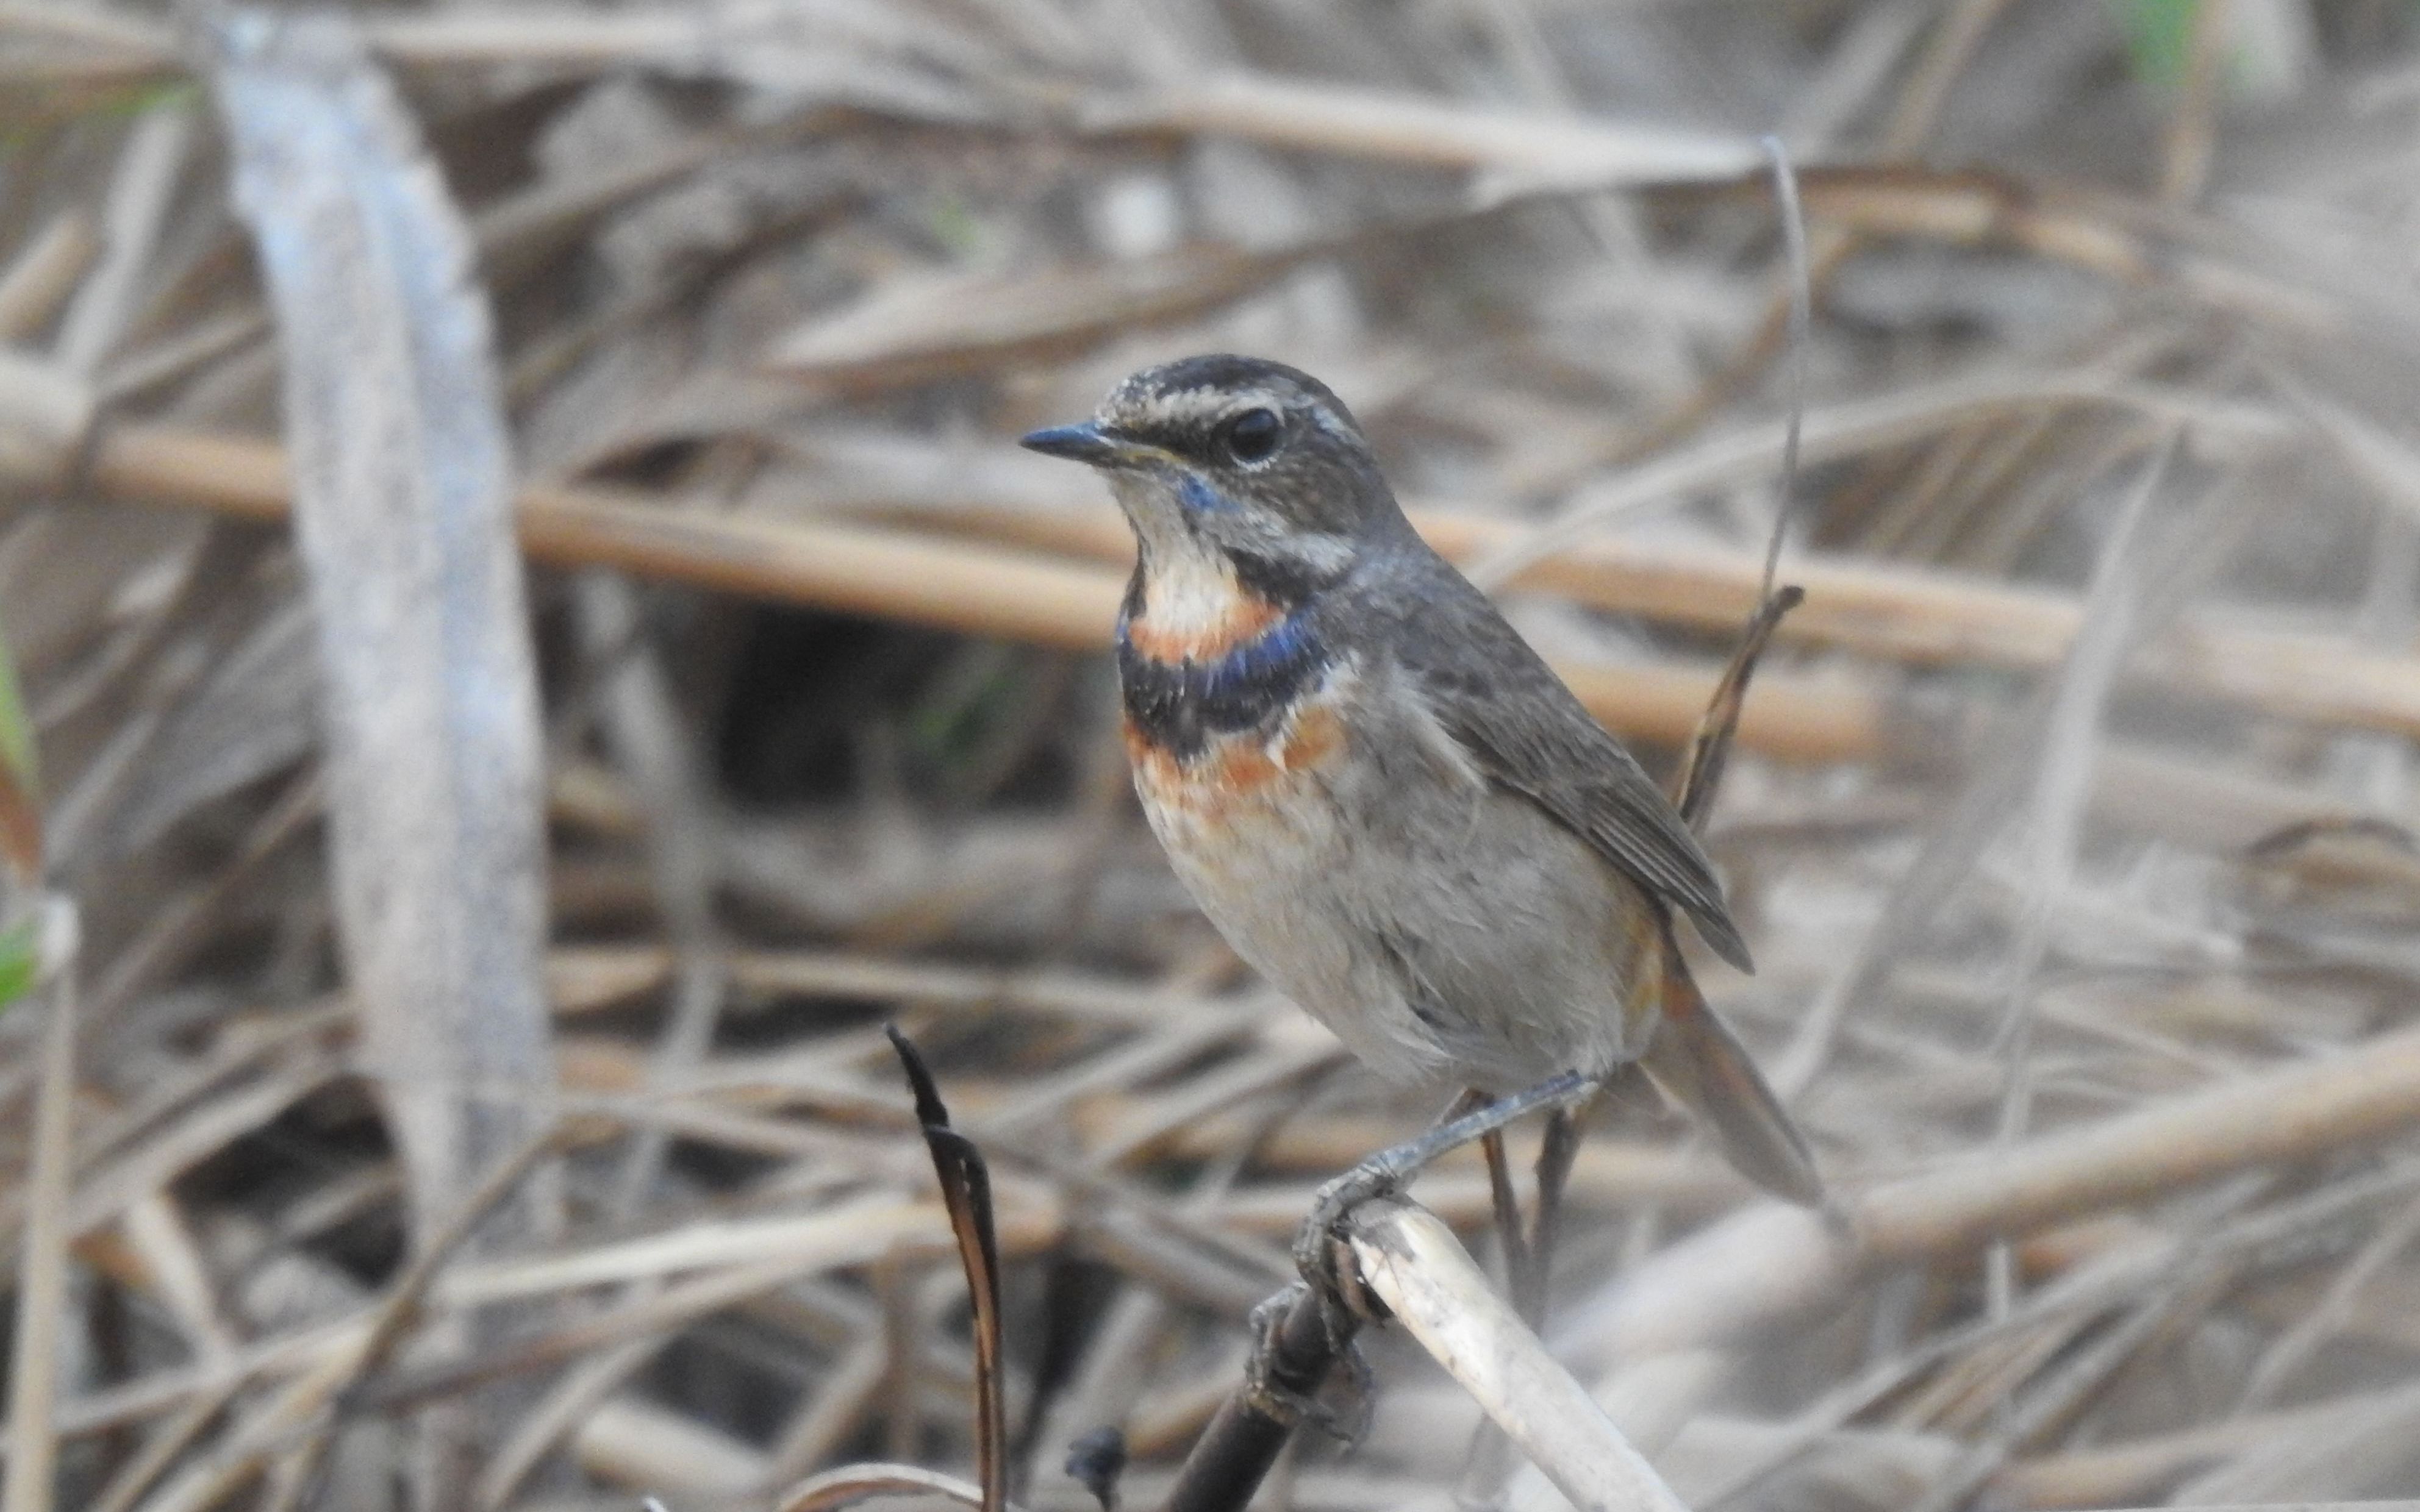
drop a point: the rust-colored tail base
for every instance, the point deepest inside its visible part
(1694, 1060)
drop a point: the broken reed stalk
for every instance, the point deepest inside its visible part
(1412, 1262)
(426, 685)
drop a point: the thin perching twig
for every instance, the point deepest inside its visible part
(1802, 323)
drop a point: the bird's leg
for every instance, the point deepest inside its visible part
(1555, 1156)
(1385, 1173)
(1509, 1231)
(1507, 1199)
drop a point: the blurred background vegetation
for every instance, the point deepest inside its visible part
(2071, 823)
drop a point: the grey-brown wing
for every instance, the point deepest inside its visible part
(1531, 735)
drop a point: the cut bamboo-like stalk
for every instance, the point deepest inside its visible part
(1414, 1264)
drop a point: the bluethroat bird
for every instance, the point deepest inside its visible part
(1382, 796)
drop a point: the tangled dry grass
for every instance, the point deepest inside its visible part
(2071, 823)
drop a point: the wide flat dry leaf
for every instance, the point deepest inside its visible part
(403, 483)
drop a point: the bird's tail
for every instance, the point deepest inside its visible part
(1694, 1060)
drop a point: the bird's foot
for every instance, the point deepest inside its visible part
(1318, 1246)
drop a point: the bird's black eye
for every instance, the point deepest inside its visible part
(1252, 436)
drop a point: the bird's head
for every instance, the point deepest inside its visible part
(1251, 460)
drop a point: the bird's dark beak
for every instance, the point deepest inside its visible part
(1086, 443)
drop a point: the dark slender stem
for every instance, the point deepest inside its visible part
(1235, 1453)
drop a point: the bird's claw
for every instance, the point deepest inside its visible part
(1319, 1254)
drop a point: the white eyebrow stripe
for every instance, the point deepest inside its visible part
(1207, 401)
